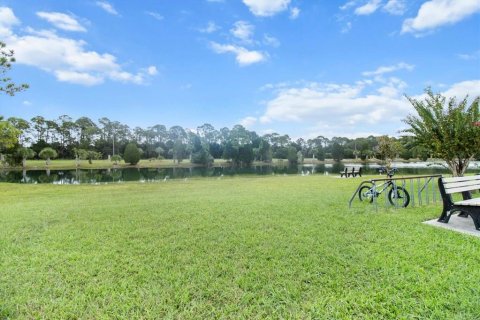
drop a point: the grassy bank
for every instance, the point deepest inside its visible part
(262, 247)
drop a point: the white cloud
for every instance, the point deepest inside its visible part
(152, 70)
(331, 109)
(435, 13)
(370, 7)
(349, 5)
(244, 56)
(248, 122)
(294, 13)
(387, 69)
(395, 7)
(346, 28)
(340, 104)
(461, 89)
(26, 103)
(76, 77)
(271, 41)
(61, 21)
(243, 31)
(469, 56)
(266, 8)
(7, 21)
(211, 27)
(68, 59)
(107, 7)
(155, 15)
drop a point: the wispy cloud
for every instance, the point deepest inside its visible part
(108, 7)
(248, 122)
(395, 7)
(388, 69)
(242, 30)
(368, 8)
(436, 13)
(244, 57)
(266, 8)
(62, 21)
(270, 41)
(211, 27)
(294, 13)
(470, 56)
(155, 15)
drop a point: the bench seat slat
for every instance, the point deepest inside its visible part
(462, 189)
(475, 202)
(458, 179)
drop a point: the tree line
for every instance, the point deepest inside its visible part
(83, 138)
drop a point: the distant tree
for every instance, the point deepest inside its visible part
(264, 151)
(300, 157)
(93, 155)
(159, 151)
(23, 126)
(388, 148)
(245, 155)
(24, 154)
(178, 151)
(319, 153)
(8, 135)
(6, 60)
(446, 129)
(292, 156)
(47, 154)
(337, 151)
(116, 159)
(200, 154)
(131, 154)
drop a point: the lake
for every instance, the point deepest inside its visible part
(96, 176)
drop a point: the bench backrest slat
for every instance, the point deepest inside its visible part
(461, 184)
(459, 179)
(462, 189)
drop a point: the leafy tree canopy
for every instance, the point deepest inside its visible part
(446, 128)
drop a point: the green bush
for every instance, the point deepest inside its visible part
(131, 154)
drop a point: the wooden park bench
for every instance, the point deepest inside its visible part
(469, 206)
(351, 172)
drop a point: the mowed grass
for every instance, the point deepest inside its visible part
(250, 248)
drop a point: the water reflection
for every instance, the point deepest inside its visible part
(162, 174)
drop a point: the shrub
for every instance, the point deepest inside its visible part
(131, 154)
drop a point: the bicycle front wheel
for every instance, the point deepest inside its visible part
(398, 196)
(366, 194)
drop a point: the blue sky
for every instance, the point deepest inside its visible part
(297, 67)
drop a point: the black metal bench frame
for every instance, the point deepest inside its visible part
(463, 185)
(350, 172)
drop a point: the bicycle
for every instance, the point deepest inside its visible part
(396, 193)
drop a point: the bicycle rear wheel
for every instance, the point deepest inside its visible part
(398, 196)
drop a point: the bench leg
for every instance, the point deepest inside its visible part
(445, 216)
(476, 220)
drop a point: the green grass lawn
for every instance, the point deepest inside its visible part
(249, 247)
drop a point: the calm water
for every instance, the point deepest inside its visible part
(163, 174)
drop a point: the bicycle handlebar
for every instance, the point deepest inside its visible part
(390, 173)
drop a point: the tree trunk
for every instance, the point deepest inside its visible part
(48, 161)
(24, 162)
